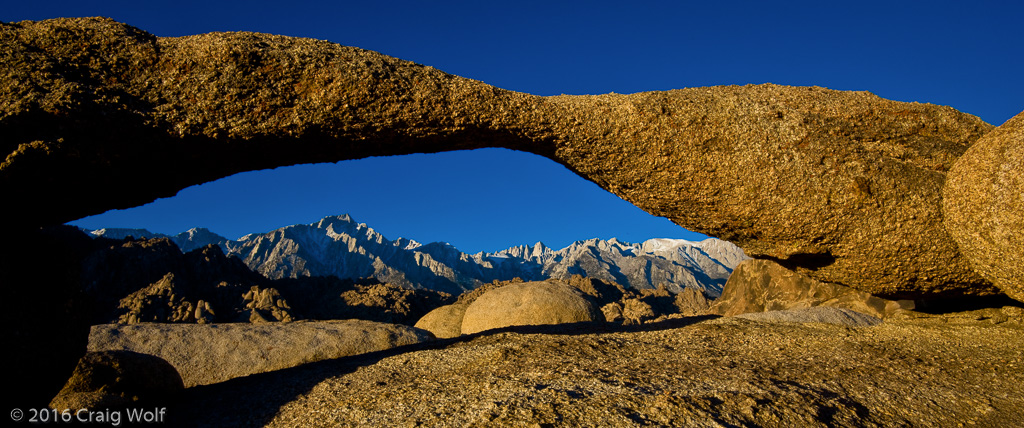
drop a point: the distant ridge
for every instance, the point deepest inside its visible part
(197, 237)
(339, 246)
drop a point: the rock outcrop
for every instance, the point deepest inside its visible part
(209, 353)
(984, 206)
(844, 187)
(116, 379)
(266, 305)
(528, 303)
(444, 322)
(692, 302)
(762, 285)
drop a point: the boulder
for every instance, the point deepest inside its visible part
(209, 353)
(612, 312)
(116, 379)
(844, 187)
(984, 206)
(818, 314)
(444, 322)
(763, 285)
(528, 303)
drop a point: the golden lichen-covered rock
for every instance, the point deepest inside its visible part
(984, 206)
(528, 303)
(844, 187)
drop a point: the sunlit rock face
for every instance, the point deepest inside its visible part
(984, 206)
(844, 187)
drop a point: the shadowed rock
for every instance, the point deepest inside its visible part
(984, 206)
(117, 379)
(841, 186)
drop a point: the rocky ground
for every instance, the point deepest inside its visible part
(919, 370)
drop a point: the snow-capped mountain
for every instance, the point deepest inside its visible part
(339, 246)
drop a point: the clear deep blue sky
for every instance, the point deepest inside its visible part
(969, 55)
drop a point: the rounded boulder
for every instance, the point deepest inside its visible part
(444, 322)
(528, 303)
(983, 206)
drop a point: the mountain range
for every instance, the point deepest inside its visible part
(339, 246)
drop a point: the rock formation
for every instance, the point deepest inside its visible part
(636, 311)
(691, 302)
(528, 303)
(161, 302)
(844, 187)
(762, 285)
(984, 206)
(266, 305)
(116, 379)
(206, 354)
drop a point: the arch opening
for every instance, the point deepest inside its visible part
(477, 200)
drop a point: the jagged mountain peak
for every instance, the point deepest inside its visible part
(407, 244)
(121, 233)
(664, 244)
(343, 220)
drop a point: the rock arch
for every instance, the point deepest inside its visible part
(842, 186)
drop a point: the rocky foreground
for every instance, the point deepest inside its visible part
(954, 370)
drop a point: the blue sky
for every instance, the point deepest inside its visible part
(969, 55)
